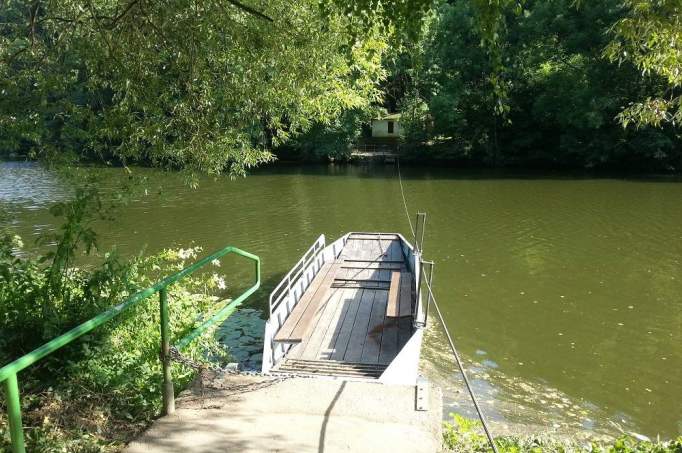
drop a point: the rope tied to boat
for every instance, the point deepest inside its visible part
(455, 354)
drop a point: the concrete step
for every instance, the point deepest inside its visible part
(249, 414)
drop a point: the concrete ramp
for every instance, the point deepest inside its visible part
(258, 414)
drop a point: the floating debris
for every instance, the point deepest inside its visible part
(242, 335)
(640, 437)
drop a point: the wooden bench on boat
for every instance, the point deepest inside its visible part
(400, 295)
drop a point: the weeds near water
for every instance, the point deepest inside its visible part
(465, 435)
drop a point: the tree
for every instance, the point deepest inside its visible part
(204, 84)
(650, 38)
(562, 94)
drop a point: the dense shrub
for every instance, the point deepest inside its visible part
(96, 393)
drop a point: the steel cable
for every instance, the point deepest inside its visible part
(447, 333)
(402, 192)
(461, 367)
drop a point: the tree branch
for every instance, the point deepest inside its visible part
(249, 10)
(34, 15)
(118, 17)
(11, 58)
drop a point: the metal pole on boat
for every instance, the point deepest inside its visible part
(419, 231)
(430, 284)
(423, 229)
(414, 233)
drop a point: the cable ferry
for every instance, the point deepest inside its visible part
(349, 310)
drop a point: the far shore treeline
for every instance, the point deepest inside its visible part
(222, 86)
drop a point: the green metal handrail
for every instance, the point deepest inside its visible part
(8, 373)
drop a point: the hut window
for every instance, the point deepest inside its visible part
(390, 127)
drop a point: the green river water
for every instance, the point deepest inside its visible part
(563, 293)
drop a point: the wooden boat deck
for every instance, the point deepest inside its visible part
(357, 313)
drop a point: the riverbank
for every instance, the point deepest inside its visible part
(454, 155)
(423, 158)
(463, 435)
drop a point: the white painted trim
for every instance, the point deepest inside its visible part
(404, 369)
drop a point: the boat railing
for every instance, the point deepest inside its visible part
(8, 373)
(283, 290)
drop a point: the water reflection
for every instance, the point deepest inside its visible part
(28, 185)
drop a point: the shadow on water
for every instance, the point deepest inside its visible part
(414, 171)
(260, 299)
